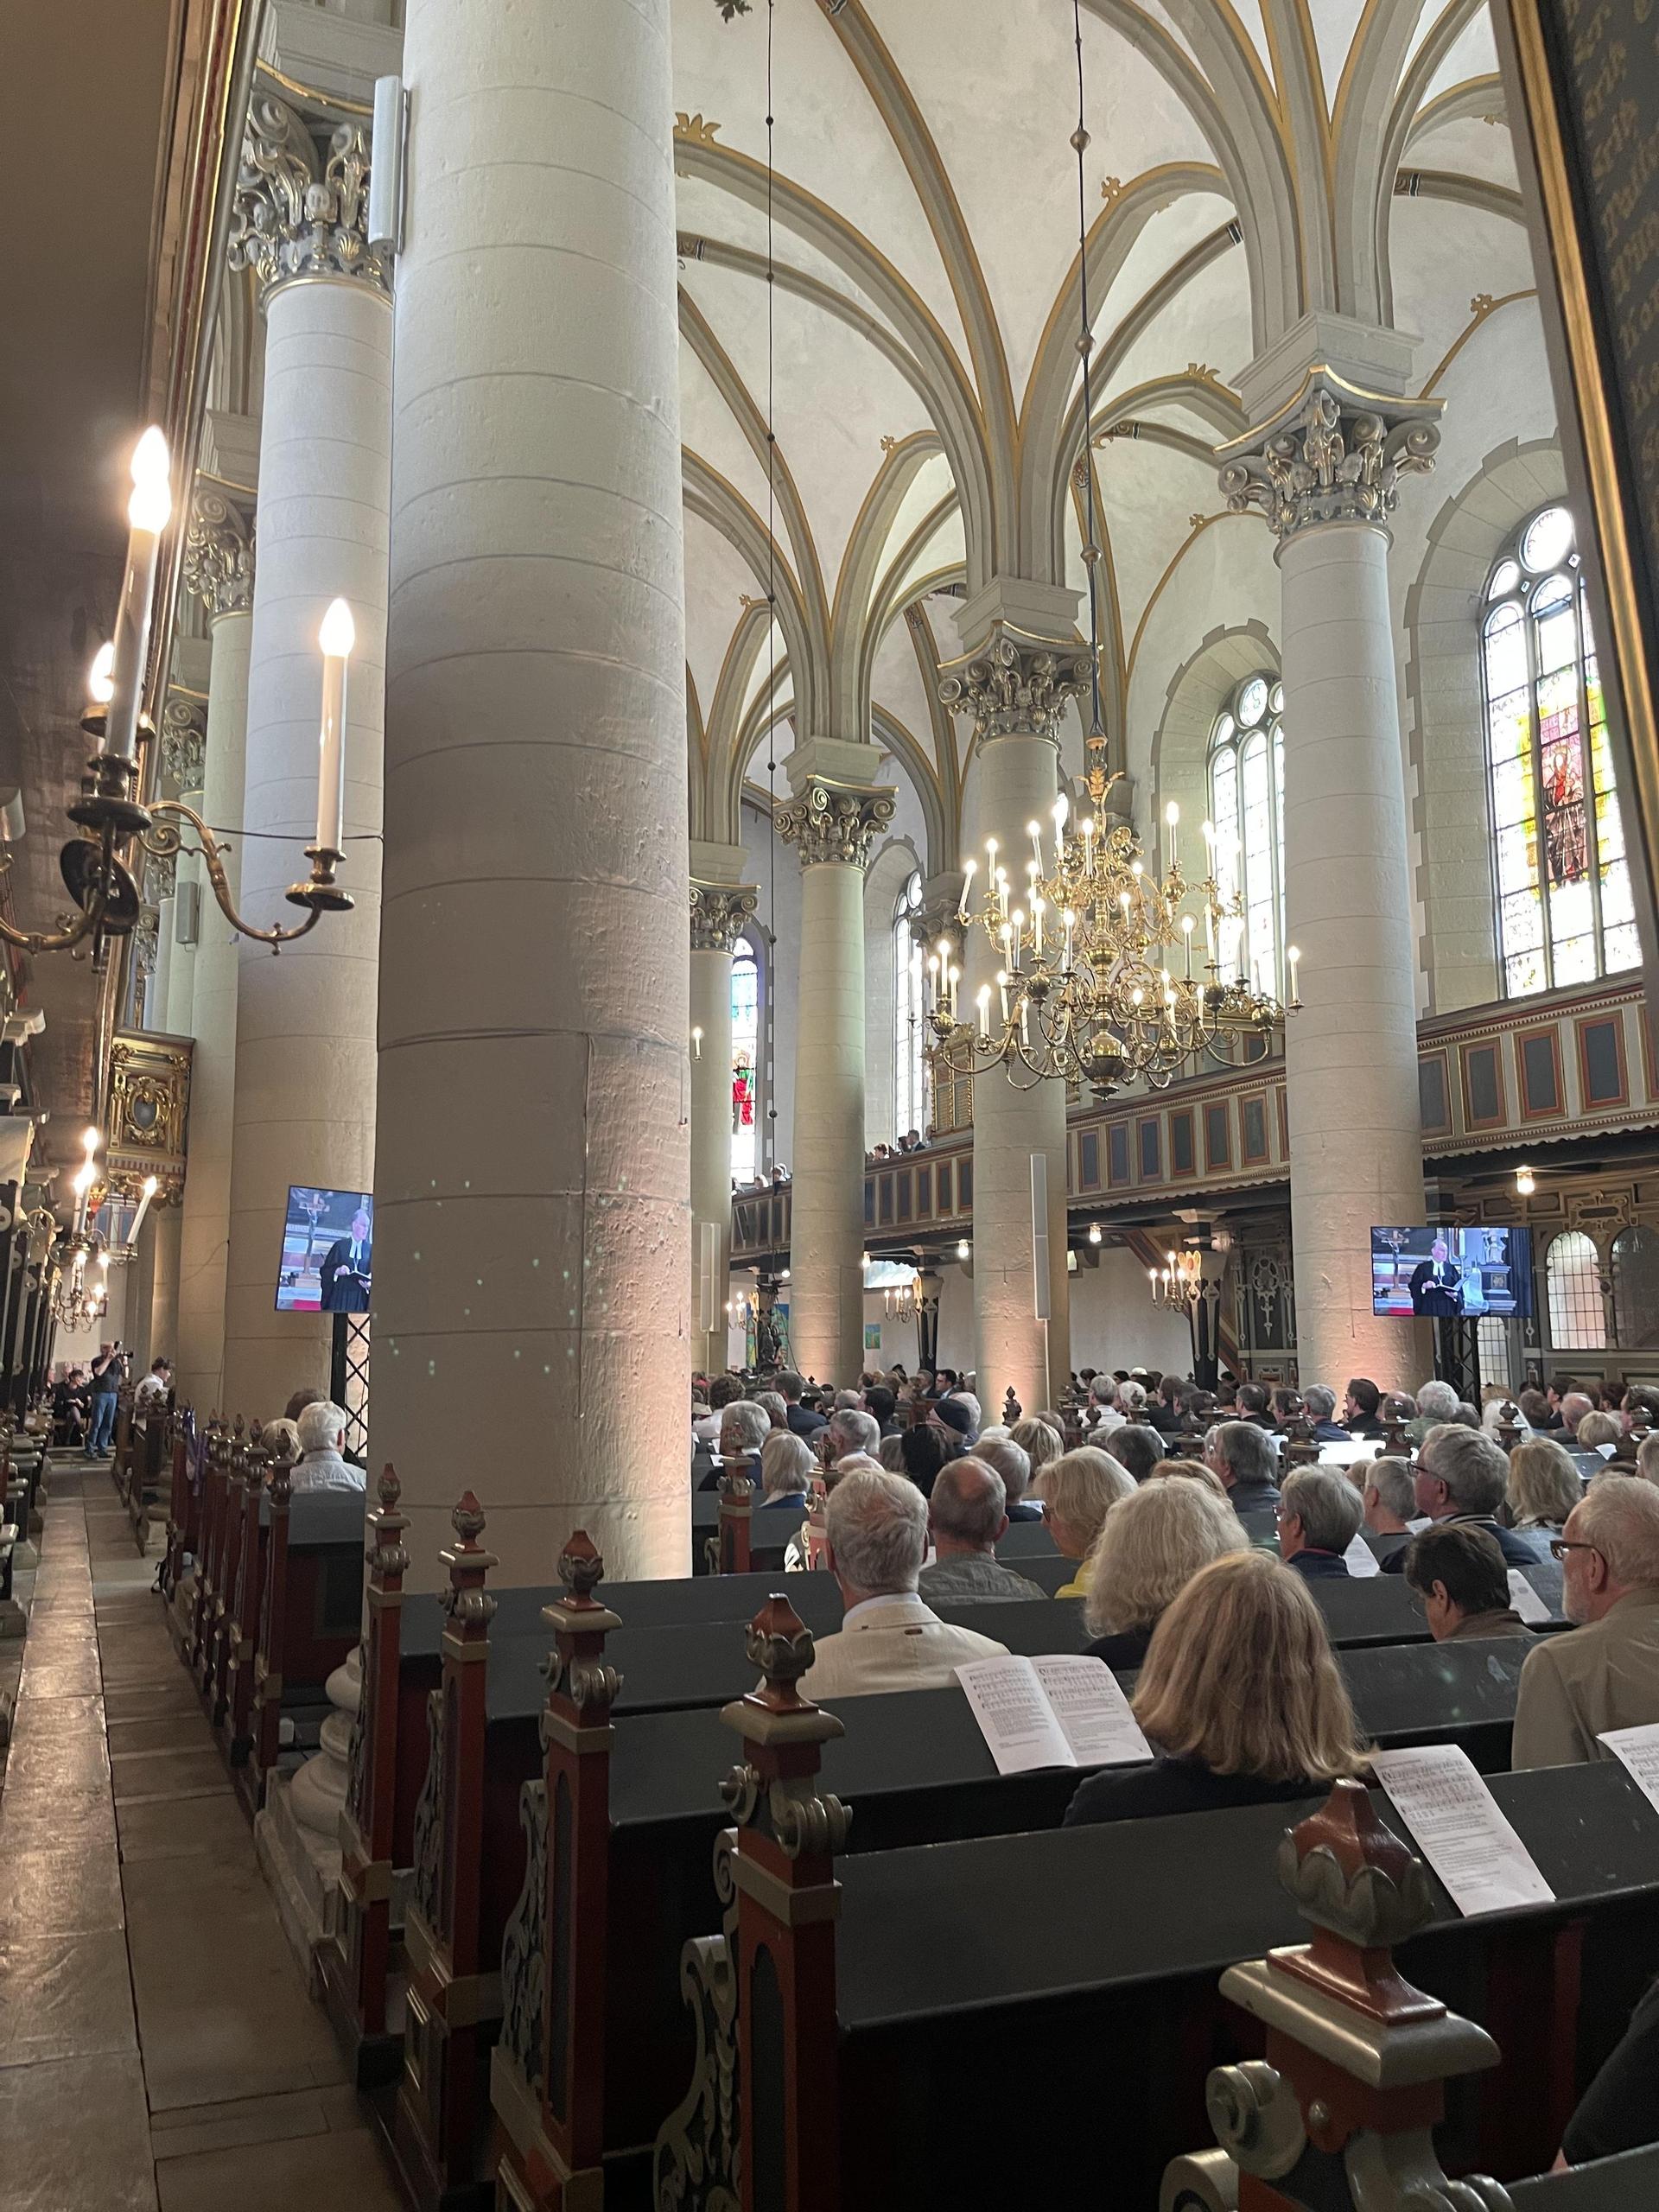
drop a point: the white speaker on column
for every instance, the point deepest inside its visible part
(1039, 1234)
(708, 1263)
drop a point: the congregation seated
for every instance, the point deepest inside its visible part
(1153, 1544)
(922, 1453)
(849, 1429)
(1078, 1489)
(1461, 1476)
(801, 1418)
(1459, 1574)
(1619, 2110)
(1436, 1402)
(1318, 1514)
(1321, 1408)
(1533, 1408)
(1389, 1500)
(705, 1428)
(320, 1434)
(772, 1404)
(1012, 1464)
(967, 1518)
(882, 1403)
(787, 1468)
(1604, 1674)
(1543, 1486)
(286, 1433)
(1600, 1432)
(1167, 1409)
(1041, 1440)
(1193, 1470)
(744, 1428)
(1647, 1457)
(1241, 1454)
(1573, 1410)
(954, 1424)
(1101, 1412)
(1240, 1698)
(875, 1539)
(300, 1399)
(1136, 1447)
(1360, 1408)
(1284, 1406)
(1251, 1399)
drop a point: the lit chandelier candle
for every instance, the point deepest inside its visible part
(148, 512)
(149, 1191)
(83, 1182)
(337, 637)
(1172, 821)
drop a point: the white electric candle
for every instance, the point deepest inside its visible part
(1071, 921)
(149, 510)
(1172, 818)
(983, 1001)
(1034, 832)
(968, 867)
(100, 685)
(337, 637)
(1038, 907)
(697, 1043)
(148, 1193)
(1294, 956)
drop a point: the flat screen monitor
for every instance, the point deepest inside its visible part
(1439, 1273)
(327, 1262)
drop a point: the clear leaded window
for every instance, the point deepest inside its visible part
(745, 1044)
(1247, 809)
(1563, 909)
(909, 1038)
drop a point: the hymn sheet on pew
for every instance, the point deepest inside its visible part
(1360, 1559)
(1526, 1601)
(1456, 1824)
(1637, 1750)
(1060, 1710)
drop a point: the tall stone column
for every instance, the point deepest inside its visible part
(305, 1022)
(834, 817)
(1021, 669)
(219, 569)
(532, 1161)
(719, 910)
(184, 761)
(1324, 471)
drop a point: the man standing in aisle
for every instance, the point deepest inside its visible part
(107, 1370)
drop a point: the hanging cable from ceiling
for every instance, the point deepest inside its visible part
(771, 595)
(1085, 349)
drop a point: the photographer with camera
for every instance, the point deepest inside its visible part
(109, 1371)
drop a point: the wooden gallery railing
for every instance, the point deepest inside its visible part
(357, 1963)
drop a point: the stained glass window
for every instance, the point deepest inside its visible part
(909, 1038)
(746, 1045)
(1563, 888)
(1247, 807)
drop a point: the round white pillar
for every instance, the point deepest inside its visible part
(1351, 1053)
(718, 914)
(532, 1154)
(184, 755)
(1017, 775)
(305, 1021)
(206, 1215)
(835, 825)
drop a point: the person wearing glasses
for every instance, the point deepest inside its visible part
(1605, 1673)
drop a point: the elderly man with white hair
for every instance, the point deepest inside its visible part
(851, 1429)
(321, 1465)
(1436, 1402)
(1605, 1673)
(744, 1427)
(787, 1468)
(875, 1531)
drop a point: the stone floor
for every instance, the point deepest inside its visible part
(158, 2050)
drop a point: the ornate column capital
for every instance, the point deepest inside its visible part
(1332, 453)
(719, 912)
(833, 821)
(301, 200)
(218, 554)
(184, 740)
(1016, 683)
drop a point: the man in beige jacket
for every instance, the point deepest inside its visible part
(1602, 1672)
(875, 1529)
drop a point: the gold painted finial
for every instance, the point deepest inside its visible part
(693, 128)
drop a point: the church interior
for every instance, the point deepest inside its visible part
(829, 1142)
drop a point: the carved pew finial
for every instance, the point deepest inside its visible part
(1301, 1448)
(1357, 2059)
(729, 1548)
(779, 1644)
(1508, 1431)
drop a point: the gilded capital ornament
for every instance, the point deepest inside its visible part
(301, 207)
(834, 821)
(218, 554)
(1016, 685)
(719, 912)
(184, 741)
(1333, 455)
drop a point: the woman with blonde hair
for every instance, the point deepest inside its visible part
(1078, 1489)
(1543, 1485)
(1040, 1441)
(1240, 1698)
(1191, 1470)
(1153, 1542)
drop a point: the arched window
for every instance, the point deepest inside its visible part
(1247, 808)
(1635, 1289)
(1578, 1321)
(909, 1037)
(746, 1057)
(1563, 909)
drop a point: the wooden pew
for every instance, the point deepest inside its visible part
(300, 1621)
(943, 1952)
(184, 1504)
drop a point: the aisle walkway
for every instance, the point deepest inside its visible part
(147, 2065)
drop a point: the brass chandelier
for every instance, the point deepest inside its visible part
(1096, 982)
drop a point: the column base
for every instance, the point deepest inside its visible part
(302, 1869)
